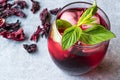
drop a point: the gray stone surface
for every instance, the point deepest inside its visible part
(17, 64)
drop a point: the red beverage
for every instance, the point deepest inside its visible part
(80, 58)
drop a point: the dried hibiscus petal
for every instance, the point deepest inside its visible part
(17, 35)
(21, 4)
(9, 9)
(13, 11)
(30, 48)
(12, 26)
(36, 34)
(6, 13)
(45, 19)
(46, 28)
(4, 33)
(2, 21)
(8, 5)
(18, 12)
(55, 11)
(44, 16)
(35, 6)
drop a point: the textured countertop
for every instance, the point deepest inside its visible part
(17, 64)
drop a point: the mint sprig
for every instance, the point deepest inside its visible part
(87, 15)
(63, 24)
(70, 36)
(93, 35)
(96, 34)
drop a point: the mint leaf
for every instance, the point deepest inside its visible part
(91, 20)
(96, 34)
(71, 36)
(93, 35)
(87, 14)
(62, 24)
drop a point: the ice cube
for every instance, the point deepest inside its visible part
(69, 16)
(79, 14)
(88, 26)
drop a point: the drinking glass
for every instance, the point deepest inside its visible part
(77, 59)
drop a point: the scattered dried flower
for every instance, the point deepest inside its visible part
(45, 19)
(36, 34)
(30, 48)
(16, 35)
(55, 11)
(21, 4)
(35, 6)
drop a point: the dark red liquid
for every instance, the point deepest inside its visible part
(76, 60)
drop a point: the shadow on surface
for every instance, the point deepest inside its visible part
(109, 68)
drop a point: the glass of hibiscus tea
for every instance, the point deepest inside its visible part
(79, 37)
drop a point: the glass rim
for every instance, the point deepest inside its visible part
(89, 46)
(85, 3)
